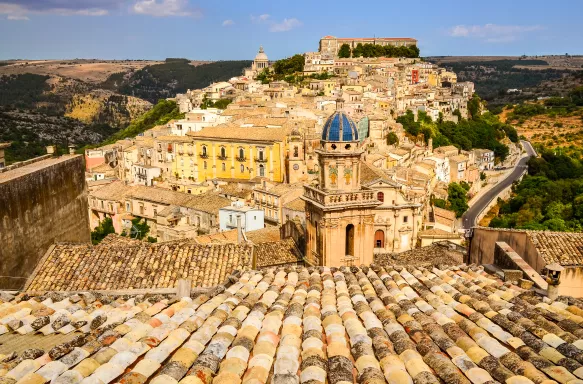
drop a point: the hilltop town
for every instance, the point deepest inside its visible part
(304, 222)
(260, 144)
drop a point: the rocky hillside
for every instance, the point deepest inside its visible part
(87, 102)
(106, 107)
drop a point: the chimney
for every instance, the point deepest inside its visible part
(239, 230)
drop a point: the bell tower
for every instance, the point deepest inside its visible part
(296, 164)
(339, 212)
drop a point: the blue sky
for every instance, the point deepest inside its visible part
(221, 30)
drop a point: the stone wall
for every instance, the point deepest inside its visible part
(483, 246)
(42, 203)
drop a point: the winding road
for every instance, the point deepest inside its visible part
(469, 218)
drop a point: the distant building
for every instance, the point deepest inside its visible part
(259, 64)
(331, 45)
(251, 218)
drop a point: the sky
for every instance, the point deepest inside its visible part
(225, 29)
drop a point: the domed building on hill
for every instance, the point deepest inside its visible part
(260, 62)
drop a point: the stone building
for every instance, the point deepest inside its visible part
(331, 44)
(259, 64)
(339, 212)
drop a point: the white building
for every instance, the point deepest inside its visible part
(484, 159)
(196, 120)
(251, 218)
(144, 174)
(441, 167)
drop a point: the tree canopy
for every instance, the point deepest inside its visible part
(485, 131)
(290, 65)
(374, 50)
(344, 51)
(550, 197)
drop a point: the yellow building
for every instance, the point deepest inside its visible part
(232, 152)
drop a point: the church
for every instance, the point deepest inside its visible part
(259, 64)
(339, 211)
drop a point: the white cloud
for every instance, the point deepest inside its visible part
(18, 17)
(164, 8)
(260, 19)
(285, 25)
(22, 11)
(493, 33)
(227, 23)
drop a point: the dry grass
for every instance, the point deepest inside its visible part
(85, 70)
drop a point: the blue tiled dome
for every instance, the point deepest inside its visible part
(339, 127)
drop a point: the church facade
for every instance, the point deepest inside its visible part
(339, 211)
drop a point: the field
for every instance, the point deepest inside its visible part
(553, 62)
(90, 71)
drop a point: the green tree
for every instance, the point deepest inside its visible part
(344, 51)
(357, 51)
(392, 138)
(289, 66)
(104, 228)
(457, 199)
(139, 230)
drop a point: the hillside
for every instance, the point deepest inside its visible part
(85, 102)
(158, 81)
(532, 77)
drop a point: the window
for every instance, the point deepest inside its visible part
(296, 151)
(349, 240)
(189, 191)
(204, 164)
(204, 150)
(381, 197)
(241, 153)
(128, 208)
(242, 168)
(405, 219)
(223, 152)
(155, 212)
(230, 218)
(260, 154)
(223, 166)
(261, 170)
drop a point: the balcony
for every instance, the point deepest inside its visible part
(203, 155)
(241, 159)
(222, 157)
(260, 160)
(341, 198)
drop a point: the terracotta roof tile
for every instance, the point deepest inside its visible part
(144, 265)
(302, 325)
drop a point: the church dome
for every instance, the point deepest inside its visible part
(339, 127)
(261, 56)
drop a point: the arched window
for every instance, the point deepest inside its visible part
(379, 239)
(242, 168)
(223, 152)
(241, 153)
(261, 170)
(381, 197)
(204, 150)
(223, 166)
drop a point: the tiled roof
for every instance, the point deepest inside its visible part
(440, 233)
(115, 191)
(565, 248)
(264, 235)
(369, 325)
(443, 216)
(434, 254)
(234, 132)
(81, 267)
(275, 253)
(296, 205)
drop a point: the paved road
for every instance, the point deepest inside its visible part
(469, 218)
